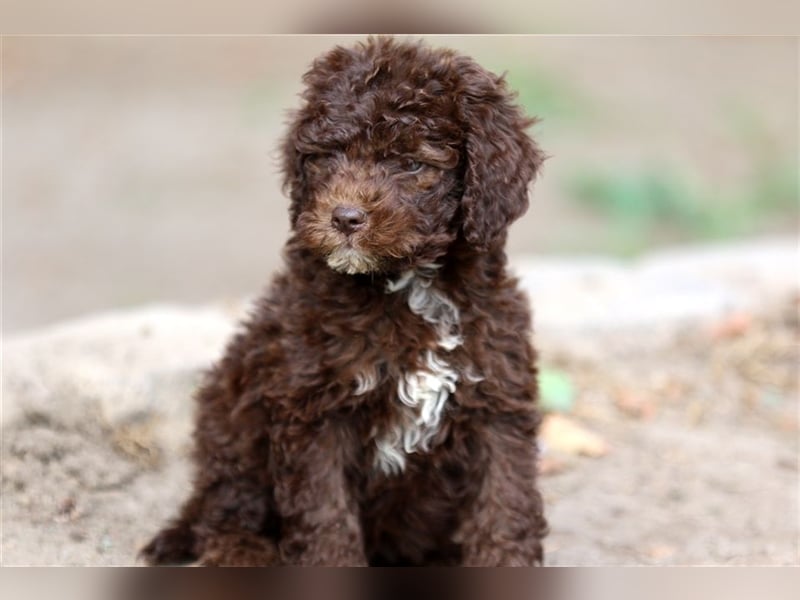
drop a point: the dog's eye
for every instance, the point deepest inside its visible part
(412, 166)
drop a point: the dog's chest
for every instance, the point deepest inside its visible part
(425, 379)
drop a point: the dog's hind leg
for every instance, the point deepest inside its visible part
(242, 549)
(176, 544)
(229, 523)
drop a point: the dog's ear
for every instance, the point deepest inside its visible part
(309, 132)
(501, 159)
(294, 179)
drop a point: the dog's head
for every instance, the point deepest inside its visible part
(398, 150)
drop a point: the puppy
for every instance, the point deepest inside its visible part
(379, 405)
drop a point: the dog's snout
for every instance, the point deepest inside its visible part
(348, 219)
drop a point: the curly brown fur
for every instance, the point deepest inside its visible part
(379, 406)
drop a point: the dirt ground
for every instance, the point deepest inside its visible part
(680, 449)
(702, 461)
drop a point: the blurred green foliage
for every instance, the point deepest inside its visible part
(556, 390)
(649, 203)
(659, 201)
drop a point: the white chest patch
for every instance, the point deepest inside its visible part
(423, 393)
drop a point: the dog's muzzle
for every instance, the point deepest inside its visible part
(348, 219)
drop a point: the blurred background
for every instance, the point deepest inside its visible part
(140, 169)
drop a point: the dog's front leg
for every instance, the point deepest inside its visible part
(320, 523)
(505, 524)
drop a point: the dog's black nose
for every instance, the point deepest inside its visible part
(348, 219)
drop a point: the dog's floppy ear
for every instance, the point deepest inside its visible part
(501, 159)
(294, 179)
(309, 131)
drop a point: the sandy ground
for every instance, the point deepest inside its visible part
(681, 445)
(702, 466)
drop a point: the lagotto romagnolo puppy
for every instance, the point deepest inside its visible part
(379, 405)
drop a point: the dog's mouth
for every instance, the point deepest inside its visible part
(350, 260)
(382, 245)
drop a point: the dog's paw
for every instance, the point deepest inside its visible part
(243, 549)
(172, 546)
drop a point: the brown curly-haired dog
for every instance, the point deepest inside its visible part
(378, 407)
